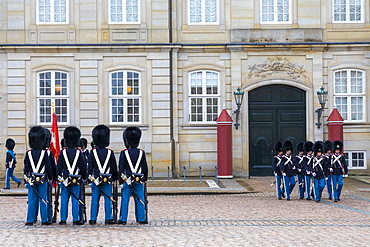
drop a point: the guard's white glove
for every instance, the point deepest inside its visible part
(345, 175)
(308, 172)
(330, 169)
(284, 174)
(314, 174)
(326, 178)
(275, 174)
(299, 170)
(294, 168)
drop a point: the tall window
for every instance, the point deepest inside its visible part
(52, 11)
(203, 11)
(125, 97)
(124, 11)
(53, 90)
(348, 10)
(275, 11)
(204, 97)
(356, 159)
(349, 94)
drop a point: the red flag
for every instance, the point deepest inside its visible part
(54, 140)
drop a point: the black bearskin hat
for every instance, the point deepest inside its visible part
(328, 145)
(288, 146)
(338, 145)
(37, 137)
(308, 146)
(83, 143)
(131, 137)
(71, 137)
(62, 145)
(47, 139)
(279, 147)
(318, 147)
(101, 136)
(10, 143)
(300, 147)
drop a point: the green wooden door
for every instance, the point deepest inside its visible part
(276, 113)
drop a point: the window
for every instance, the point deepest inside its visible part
(52, 11)
(52, 90)
(275, 11)
(204, 96)
(349, 94)
(203, 11)
(348, 10)
(125, 97)
(356, 159)
(124, 11)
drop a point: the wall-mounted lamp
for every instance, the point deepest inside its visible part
(322, 95)
(238, 100)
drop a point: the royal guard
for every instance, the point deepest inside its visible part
(102, 173)
(37, 174)
(319, 170)
(328, 150)
(298, 163)
(276, 163)
(133, 170)
(10, 164)
(288, 168)
(308, 150)
(71, 170)
(83, 148)
(339, 169)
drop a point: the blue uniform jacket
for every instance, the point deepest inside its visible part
(124, 167)
(298, 161)
(62, 169)
(339, 165)
(35, 154)
(10, 158)
(306, 165)
(319, 166)
(93, 168)
(287, 166)
(276, 164)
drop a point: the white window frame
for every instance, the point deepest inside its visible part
(348, 13)
(204, 96)
(124, 14)
(276, 14)
(125, 97)
(54, 97)
(349, 96)
(349, 160)
(203, 14)
(52, 13)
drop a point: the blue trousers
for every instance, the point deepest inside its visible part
(337, 185)
(289, 184)
(301, 185)
(9, 174)
(279, 187)
(35, 202)
(64, 198)
(139, 207)
(307, 184)
(329, 185)
(95, 198)
(319, 185)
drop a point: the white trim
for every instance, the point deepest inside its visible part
(231, 176)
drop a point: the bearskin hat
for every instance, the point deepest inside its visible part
(47, 139)
(10, 143)
(308, 146)
(318, 147)
(101, 136)
(83, 143)
(131, 137)
(278, 147)
(338, 145)
(37, 137)
(62, 144)
(328, 145)
(71, 137)
(300, 147)
(288, 146)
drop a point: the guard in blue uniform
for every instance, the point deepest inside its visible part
(328, 152)
(308, 150)
(339, 169)
(133, 170)
(319, 170)
(276, 163)
(71, 170)
(37, 173)
(102, 172)
(10, 164)
(288, 168)
(298, 163)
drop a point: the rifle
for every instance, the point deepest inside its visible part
(50, 204)
(83, 198)
(125, 179)
(56, 204)
(146, 202)
(115, 197)
(28, 180)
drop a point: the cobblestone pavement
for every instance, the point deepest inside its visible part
(250, 219)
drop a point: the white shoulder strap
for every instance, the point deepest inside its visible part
(73, 167)
(102, 169)
(36, 169)
(134, 169)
